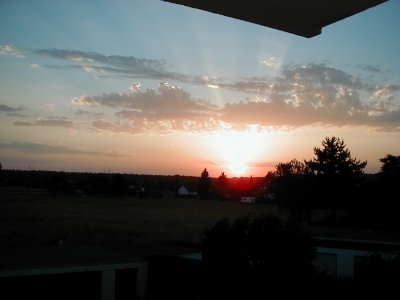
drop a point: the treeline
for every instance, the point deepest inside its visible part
(204, 187)
(95, 183)
(334, 181)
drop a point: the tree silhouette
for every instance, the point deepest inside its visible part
(334, 159)
(391, 166)
(118, 184)
(222, 179)
(292, 184)
(389, 192)
(204, 185)
(263, 250)
(337, 175)
(293, 167)
(221, 186)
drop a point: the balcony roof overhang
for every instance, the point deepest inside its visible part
(301, 17)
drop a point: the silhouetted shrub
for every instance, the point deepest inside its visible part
(378, 269)
(260, 250)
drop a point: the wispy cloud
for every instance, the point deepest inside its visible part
(41, 148)
(97, 62)
(9, 109)
(116, 66)
(35, 66)
(10, 50)
(85, 101)
(272, 62)
(47, 122)
(131, 62)
(371, 68)
(117, 127)
(83, 112)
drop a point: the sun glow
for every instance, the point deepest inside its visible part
(239, 150)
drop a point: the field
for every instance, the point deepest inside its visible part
(37, 218)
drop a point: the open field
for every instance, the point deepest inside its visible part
(35, 218)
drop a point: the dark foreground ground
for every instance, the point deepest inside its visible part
(39, 229)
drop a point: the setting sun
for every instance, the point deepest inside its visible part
(237, 168)
(238, 150)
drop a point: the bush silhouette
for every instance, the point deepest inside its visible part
(260, 249)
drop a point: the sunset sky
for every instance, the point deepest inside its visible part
(149, 87)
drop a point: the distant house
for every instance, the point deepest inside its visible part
(184, 192)
(248, 199)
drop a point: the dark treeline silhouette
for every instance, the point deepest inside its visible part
(335, 181)
(264, 246)
(243, 258)
(95, 183)
(204, 186)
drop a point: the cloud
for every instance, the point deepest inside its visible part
(35, 66)
(320, 75)
(117, 127)
(15, 115)
(117, 66)
(299, 96)
(10, 50)
(9, 109)
(135, 87)
(83, 112)
(384, 98)
(272, 62)
(339, 107)
(169, 102)
(297, 76)
(97, 62)
(250, 85)
(48, 122)
(129, 62)
(167, 110)
(373, 69)
(314, 94)
(84, 101)
(157, 126)
(41, 148)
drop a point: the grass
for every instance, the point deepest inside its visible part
(42, 219)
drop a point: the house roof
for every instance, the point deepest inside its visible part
(301, 17)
